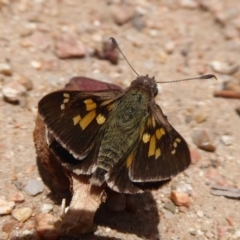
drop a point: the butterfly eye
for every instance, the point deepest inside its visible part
(155, 90)
(151, 83)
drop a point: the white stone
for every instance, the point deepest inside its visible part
(5, 69)
(227, 140)
(6, 207)
(46, 208)
(13, 91)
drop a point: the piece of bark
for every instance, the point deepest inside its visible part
(85, 201)
(50, 169)
(227, 94)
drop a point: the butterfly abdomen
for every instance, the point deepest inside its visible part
(121, 132)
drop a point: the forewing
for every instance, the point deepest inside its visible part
(161, 153)
(75, 118)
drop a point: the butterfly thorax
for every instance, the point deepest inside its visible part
(122, 129)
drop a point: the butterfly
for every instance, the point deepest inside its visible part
(120, 138)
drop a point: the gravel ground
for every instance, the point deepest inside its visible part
(45, 43)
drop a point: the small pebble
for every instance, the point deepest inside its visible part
(13, 92)
(227, 140)
(209, 235)
(169, 47)
(14, 234)
(140, 10)
(17, 197)
(24, 231)
(46, 208)
(195, 156)
(230, 220)
(182, 187)
(96, 37)
(168, 215)
(24, 234)
(231, 32)
(153, 32)
(200, 117)
(170, 206)
(136, 42)
(34, 187)
(36, 64)
(180, 198)
(22, 214)
(5, 69)
(27, 83)
(6, 206)
(202, 140)
(38, 40)
(45, 227)
(200, 214)
(214, 177)
(206, 5)
(182, 209)
(236, 23)
(222, 231)
(8, 225)
(190, 4)
(193, 232)
(24, 31)
(232, 84)
(162, 56)
(121, 15)
(223, 68)
(30, 168)
(224, 17)
(67, 46)
(236, 235)
(138, 22)
(200, 232)
(18, 184)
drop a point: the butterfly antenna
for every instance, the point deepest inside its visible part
(208, 76)
(116, 45)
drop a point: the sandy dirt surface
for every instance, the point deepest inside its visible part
(170, 40)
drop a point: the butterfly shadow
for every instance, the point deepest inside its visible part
(143, 222)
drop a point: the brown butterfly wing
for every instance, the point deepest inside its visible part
(161, 153)
(75, 118)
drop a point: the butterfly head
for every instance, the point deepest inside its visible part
(147, 83)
